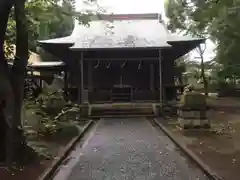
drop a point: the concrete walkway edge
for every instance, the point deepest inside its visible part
(47, 174)
(204, 167)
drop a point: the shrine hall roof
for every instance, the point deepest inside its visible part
(121, 31)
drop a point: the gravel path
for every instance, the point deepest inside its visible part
(128, 149)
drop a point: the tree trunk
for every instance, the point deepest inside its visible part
(12, 82)
(5, 8)
(3, 128)
(18, 73)
(205, 82)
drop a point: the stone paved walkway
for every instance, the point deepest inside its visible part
(128, 149)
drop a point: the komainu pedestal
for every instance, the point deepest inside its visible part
(192, 111)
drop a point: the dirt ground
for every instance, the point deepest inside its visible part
(49, 149)
(219, 147)
(31, 172)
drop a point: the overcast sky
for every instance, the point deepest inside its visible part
(138, 6)
(128, 6)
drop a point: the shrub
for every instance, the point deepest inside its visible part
(46, 107)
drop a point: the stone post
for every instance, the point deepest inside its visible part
(192, 111)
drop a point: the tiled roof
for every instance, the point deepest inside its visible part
(121, 31)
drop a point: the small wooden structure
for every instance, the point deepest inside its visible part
(38, 70)
(121, 57)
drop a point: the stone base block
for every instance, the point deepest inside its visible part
(85, 110)
(157, 109)
(192, 114)
(194, 123)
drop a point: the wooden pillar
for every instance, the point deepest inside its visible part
(41, 83)
(80, 82)
(151, 80)
(160, 78)
(65, 82)
(90, 86)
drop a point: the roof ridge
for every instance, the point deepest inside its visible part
(135, 16)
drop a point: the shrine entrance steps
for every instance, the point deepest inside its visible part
(122, 110)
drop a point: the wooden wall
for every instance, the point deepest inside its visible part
(99, 78)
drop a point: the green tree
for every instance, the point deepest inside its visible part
(214, 19)
(180, 68)
(12, 81)
(46, 19)
(12, 141)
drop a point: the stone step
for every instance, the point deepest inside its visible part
(117, 113)
(122, 110)
(122, 116)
